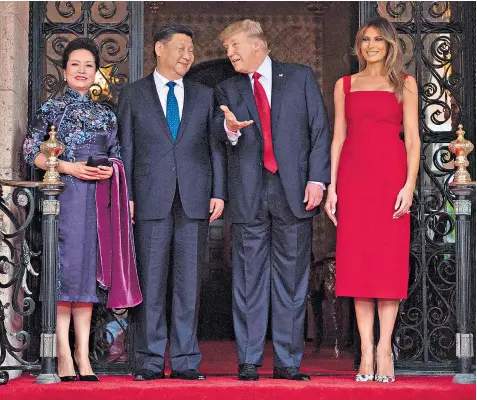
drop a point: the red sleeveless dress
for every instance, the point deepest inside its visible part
(372, 248)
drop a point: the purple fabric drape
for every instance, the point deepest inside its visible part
(116, 270)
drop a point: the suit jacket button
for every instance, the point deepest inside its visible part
(173, 168)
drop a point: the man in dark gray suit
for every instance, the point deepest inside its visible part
(278, 162)
(175, 174)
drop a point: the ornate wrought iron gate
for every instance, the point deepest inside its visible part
(438, 38)
(116, 27)
(438, 43)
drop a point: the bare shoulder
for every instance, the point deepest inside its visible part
(410, 84)
(339, 83)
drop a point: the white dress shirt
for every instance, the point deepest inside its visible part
(163, 90)
(265, 70)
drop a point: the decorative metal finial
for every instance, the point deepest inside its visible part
(52, 149)
(461, 148)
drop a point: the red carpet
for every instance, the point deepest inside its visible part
(331, 380)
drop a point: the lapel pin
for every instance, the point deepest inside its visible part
(280, 75)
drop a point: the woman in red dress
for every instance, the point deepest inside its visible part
(373, 174)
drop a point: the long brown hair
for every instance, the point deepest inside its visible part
(393, 63)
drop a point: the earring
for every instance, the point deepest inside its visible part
(64, 79)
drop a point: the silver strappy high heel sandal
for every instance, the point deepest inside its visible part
(387, 378)
(367, 377)
(364, 377)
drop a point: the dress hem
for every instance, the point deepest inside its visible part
(83, 299)
(373, 296)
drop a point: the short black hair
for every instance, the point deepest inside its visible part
(165, 33)
(78, 44)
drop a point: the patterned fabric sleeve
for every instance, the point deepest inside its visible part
(37, 133)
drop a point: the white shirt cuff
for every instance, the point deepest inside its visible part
(233, 136)
(319, 183)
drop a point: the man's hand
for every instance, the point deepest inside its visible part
(216, 208)
(131, 210)
(231, 121)
(313, 195)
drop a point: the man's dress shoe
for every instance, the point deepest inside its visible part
(145, 375)
(247, 372)
(292, 373)
(188, 375)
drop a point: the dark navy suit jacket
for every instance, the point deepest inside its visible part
(300, 134)
(155, 164)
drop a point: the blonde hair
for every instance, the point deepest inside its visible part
(393, 64)
(252, 29)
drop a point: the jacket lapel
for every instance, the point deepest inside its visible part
(245, 89)
(190, 94)
(277, 85)
(153, 99)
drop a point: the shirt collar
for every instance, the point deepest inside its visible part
(161, 80)
(265, 69)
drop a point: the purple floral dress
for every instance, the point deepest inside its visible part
(86, 128)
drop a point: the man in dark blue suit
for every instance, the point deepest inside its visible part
(175, 174)
(275, 124)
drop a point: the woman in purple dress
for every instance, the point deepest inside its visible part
(86, 128)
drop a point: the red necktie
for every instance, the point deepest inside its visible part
(263, 108)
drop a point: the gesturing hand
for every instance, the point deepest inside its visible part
(231, 120)
(330, 205)
(403, 202)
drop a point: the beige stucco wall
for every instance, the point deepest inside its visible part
(13, 84)
(14, 18)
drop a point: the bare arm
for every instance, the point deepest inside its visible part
(411, 130)
(413, 146)
(339, 136)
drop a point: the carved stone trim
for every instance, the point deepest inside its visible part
(464, 345)
(319, 7)
(462, 207)
(48, 345)
(51, 207)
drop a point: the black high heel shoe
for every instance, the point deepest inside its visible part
(85, 378)
(68, 378)
(88, 378)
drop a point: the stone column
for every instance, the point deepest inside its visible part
(14, 18)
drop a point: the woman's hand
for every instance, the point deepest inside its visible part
(330, 205)
(403, 202)
(80, 170)
(105, 172)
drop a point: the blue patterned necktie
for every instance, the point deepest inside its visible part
(172, 111)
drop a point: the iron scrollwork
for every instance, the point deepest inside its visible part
(16, 268)
(432, 37)
(108, 23)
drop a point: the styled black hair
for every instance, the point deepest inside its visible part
(165, 33)
(78, 44)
